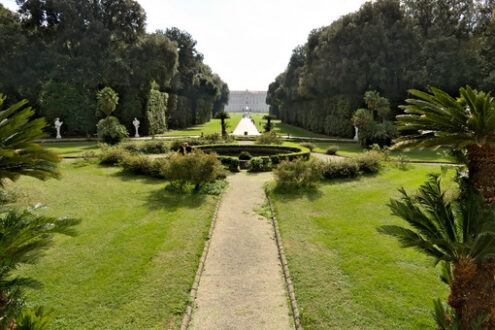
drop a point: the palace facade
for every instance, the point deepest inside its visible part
(251, 101)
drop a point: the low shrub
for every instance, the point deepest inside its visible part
(111, 131)
(309, 145)
(259, 164)
(332, 150)
(112, 155)
(196, 168)
(8, 196)
(154, 147)
(177, 143)
(269, 138)
(297, 174)
(244, 155)
(370, 162)
(276, 159)
(335, 169)
(140, 165)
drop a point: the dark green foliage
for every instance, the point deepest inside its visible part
(297, 174)
(222, 115)
(155, 112)
(244, 155)
(196, 168)
(75, 106)
(143, 165)
(24, 236)
(83, 46)
(111, 131)
(268, 125)
(332, 150)
(19, 155)
(337, 169)
(232, 163)
(148, 147)
(381, 134)
(387, 46)
(259, 164)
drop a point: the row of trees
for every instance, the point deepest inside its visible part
(59, 53)
(388, 46)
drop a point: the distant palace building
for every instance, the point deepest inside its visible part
(253, 100)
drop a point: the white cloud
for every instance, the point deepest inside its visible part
(247, 42)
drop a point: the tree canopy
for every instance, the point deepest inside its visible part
(67, 50)
(389, 46)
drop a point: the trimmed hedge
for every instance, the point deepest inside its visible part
(271, 155)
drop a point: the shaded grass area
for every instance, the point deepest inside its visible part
(134, 260)
(353, 149)
(345, 274)
(72, 149)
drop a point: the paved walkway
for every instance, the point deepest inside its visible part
(246, 125)
(242, 286)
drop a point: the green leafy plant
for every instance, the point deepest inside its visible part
(269, 138)
(106, 101)
(340, 169)
(297, 174)
(244, 155)
(37, 319)
(268, 126)
(111, 131)
(24, 236)
(332, 150)
(19, 154)
(196, 168)
(461, 233)
(369, 162)
(309, 145)
(259, 164)
(222, 115)
(112, 155)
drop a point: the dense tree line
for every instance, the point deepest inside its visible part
(389, 46)
(59, 53)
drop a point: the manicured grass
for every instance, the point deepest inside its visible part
(353, 149)
(286, 129)
(72, 149)
(346, 276)
(132, 264)
(211, 127)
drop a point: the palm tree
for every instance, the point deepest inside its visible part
(24, 236)
(222, 115)
(460, 233)
(465, 124)
(107, 100)
(19, 154)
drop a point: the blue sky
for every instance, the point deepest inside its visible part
(247, 42)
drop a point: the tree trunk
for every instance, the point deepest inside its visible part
(472, 295)
(473, 286)
(482, 170)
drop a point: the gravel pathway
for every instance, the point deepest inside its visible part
(246, 125)
(242, 286)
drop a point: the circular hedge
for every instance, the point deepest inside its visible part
(264, 157)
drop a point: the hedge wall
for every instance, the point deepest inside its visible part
(155, 112)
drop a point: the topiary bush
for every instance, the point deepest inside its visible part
(244, 155)
(154, 147)
(336, 169)
(332, 150)
(196, 168)
(309, 145)
(269, 138)
(111, 131)
(259, 164)
(297, 174)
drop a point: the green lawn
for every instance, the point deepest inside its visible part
(353, 149)
(136, 255)
(346, 276)
(72, 149)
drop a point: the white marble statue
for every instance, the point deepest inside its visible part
(136, 123)
(58, 124)
(356, 135)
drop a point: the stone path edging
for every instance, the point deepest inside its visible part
(194, 290)
(285, 267)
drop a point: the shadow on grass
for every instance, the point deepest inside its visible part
(165, 199)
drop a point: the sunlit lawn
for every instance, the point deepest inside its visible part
(353, 149)
(136, 255)
(345, 274)
(72, 149)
